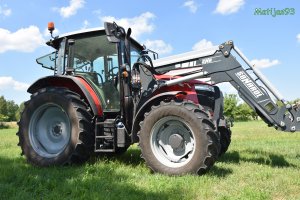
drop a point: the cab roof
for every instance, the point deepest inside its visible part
(92, 31)
(82, 31)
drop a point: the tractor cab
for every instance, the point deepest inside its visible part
(90, 55)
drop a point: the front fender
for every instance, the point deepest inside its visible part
(146, 107)
(75, 84)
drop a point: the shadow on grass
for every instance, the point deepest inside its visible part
(19, 180)
(256, 156)
(219, 172)
(230, 157)
(132, 157)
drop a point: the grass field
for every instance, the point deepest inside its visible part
(261, 164)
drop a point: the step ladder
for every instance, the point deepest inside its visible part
(105, 136)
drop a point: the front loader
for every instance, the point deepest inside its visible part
(106, 93)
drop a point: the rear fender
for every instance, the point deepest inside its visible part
(75, 84)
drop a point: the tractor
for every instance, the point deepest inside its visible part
(107, 92)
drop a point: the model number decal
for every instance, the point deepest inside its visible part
(249, 84)
(206, 61)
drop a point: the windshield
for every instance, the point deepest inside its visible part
(96, 55)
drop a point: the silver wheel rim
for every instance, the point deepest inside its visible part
(49, 130)
(172, 141)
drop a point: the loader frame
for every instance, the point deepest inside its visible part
(219, 64)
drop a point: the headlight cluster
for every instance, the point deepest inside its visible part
(208, 88)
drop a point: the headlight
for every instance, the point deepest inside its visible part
(205, 88)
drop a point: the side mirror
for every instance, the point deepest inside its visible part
(112, 32)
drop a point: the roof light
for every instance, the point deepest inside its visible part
(51, 27)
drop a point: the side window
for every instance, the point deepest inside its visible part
(135, 54)
(96, 59)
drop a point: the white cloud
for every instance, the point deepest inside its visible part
(298, 37)
(202, 44)
(85, 24)
(140, 24)
(191, 5)
(5, 11)
(226, 7)
(7, 82)
(70, 10)
(158, 46)
(24, 39)
(264, 63)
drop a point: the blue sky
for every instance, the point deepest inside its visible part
(169, 27)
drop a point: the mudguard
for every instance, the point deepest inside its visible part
(73, 83)
(139, 116)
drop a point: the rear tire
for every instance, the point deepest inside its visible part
(178, 138)
(56, 128)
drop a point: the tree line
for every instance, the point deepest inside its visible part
(9, 110)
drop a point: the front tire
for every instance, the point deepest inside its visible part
(178, 138)
(55, 128)
(225, 139)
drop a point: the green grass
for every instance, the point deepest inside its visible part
(261, 164)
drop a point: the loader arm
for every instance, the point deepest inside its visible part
(220, 64)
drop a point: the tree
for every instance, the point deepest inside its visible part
(12, 109)
(19, 111)
(3, 109)
(8, 110)
(254, 115)
(230, 105)
(243, 112)
(3, 118)
(236, 111)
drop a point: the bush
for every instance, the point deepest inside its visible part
(3, 126)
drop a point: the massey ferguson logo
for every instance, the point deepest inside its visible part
(249, 84)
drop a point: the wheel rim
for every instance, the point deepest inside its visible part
(49, 130)
(172, 141)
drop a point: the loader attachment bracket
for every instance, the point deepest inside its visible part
(289, 119)
(226, 48)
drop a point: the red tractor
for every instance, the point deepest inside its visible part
(106, 93)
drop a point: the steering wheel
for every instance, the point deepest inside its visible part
(111, 72)
(101, 78)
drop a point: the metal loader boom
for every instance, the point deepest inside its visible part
(216, 65)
